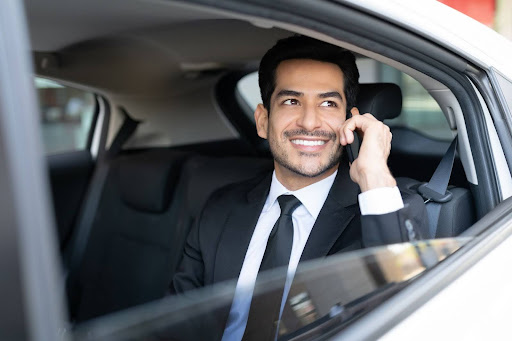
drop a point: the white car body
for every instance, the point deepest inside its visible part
(476, 306)
(448, 27)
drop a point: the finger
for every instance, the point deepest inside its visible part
(344, 137)
(343, 140)
(346, 132)
(356, 122)
(370, 116)
(349, 134)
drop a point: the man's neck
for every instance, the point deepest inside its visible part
(293, 181)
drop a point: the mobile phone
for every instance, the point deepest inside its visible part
(353, 148)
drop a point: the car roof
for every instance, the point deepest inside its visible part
(188, 29)
(158, 42)
(190, 37)
(448, 27)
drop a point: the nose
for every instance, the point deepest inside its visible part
(309, 118)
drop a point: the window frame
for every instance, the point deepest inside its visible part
(344, 22)
(32, 249)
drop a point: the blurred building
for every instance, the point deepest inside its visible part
(496, 14)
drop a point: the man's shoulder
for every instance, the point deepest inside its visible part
(241, 189)
(226, 200)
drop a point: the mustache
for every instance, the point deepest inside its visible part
(304, 132)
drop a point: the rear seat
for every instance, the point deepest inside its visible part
(131, 241)
(146, 209)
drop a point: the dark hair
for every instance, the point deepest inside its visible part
(301, 47)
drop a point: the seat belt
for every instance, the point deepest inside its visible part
(78, 245)
(126, 130)
(435, 191)
(92, 200)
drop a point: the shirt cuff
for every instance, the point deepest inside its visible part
(380, 201)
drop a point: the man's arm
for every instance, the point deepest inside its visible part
(406, 224)
(190, 273)
(385, 219)
(194, 270)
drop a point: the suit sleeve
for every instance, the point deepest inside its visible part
(201, 242)
(190, 273)
(407, 224)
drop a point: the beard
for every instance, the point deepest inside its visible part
(281, 156)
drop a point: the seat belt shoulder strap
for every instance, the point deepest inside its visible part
(435, 191)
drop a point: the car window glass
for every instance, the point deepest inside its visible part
(326, 296)
(506, 89)
(66, 116)
(249, 92)
(419, 110)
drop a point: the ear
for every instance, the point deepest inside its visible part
(354, 111)
(261, 119)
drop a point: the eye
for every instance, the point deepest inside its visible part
(329, 104)
(291, 101)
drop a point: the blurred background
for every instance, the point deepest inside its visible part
(497, 14)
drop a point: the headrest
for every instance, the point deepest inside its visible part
(382, 100)
(147, 179)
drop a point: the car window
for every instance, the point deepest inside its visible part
(326, 296)
(66, 116)
(419, 110)
(506, 88)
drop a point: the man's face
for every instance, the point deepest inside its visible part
(307, 109)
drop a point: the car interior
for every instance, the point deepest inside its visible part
(171, 121)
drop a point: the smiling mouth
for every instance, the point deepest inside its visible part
(308, 142)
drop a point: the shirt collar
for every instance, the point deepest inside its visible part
(312, 197)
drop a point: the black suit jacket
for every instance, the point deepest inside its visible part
(216, 246)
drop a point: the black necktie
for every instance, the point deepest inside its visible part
(264, 313)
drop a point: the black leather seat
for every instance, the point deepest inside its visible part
(382, 100)
(130, 252)
(148, 204)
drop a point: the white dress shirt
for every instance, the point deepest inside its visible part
(312, 197)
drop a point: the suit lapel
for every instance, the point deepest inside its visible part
(241, 222)
(334, 216)
(239, 228)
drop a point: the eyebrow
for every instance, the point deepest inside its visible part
(331, 94)
(293, 93)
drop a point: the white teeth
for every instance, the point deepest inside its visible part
(308, 143)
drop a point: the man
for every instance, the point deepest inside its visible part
(307, 88)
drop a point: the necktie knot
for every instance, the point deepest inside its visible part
(288, 203)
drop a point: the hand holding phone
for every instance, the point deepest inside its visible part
(353, 148)
(368, 158)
